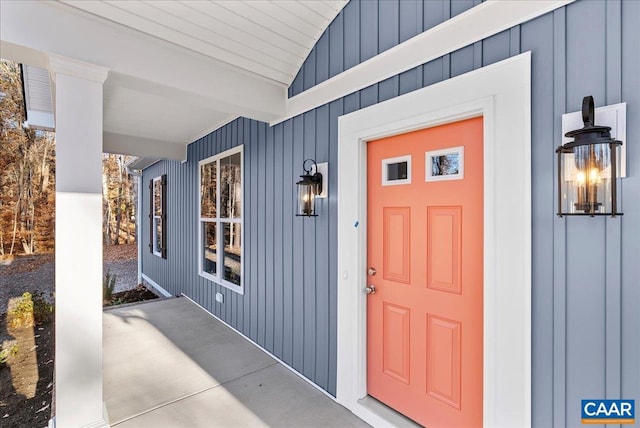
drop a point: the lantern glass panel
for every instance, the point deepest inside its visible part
(586, 176)
(306, 199)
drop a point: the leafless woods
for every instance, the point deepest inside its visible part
(118, 201)
(27, 174)
(27, 180)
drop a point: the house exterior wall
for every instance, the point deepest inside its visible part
(585, 293)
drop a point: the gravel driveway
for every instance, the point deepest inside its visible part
(37, 274)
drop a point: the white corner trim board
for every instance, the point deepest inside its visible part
(482, 21)
(501, 93)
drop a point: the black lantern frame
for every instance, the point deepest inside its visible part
(588, 169)
(309, 187)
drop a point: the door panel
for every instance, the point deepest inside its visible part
(443, 359)
(396, 341)
(444, 248)
(396, 229)
(425, 240)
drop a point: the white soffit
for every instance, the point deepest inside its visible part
(482, 21)
(268, 38)
(138, 164)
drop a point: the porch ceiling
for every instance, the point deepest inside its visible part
(177, 69)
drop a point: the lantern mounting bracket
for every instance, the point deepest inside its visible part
(315, 177)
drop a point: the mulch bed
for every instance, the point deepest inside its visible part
(36, 347)
(138, 294)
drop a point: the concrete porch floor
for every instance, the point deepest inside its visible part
(168, 363)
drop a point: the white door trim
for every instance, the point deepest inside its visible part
(501, 93)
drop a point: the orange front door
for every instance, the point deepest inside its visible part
(425, 253)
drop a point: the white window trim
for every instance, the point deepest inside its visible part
(428, 156)
(385, 171)
(219, 236)
(501, 93)
(154, 216)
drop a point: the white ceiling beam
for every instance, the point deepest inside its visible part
(56, 28)
(138, 146)
(21, 54)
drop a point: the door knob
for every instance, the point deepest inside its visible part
(371, 289)
(371, 271)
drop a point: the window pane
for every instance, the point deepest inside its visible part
(232, 253)
(157, 235)
(231, 186)
(210, 248)
(208, 177)
(157, 197)
(445, 164)
(397, 171)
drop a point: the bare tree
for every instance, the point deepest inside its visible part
(118, 201)
(26, 160)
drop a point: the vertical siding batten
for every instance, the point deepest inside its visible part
(335, 111)
(278, 243)
(537, 36)
(410, 19)
(336, 43)
(289, 178)
(351, 26)
(630, 294)
(560, 232)
(299, 314)
(585, 345)
(321, 242)
(269, 248)
(248, 237)
(586, 318)
(261, 208)
(613, 321)
(309, 240)
(368, 30)
(322, 58)
(255, 241)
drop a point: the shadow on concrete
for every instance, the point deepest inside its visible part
(169, 363)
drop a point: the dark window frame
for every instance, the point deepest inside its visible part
(163, 216)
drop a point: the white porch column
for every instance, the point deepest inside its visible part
(78, 357)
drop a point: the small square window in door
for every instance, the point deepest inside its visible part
(445, 164)
(396, 171)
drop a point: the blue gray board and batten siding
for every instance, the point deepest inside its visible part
(585, 271)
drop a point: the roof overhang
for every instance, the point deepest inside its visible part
(158, 96)
(161, 96)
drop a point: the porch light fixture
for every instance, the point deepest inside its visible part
(588, 169)
(309, 187)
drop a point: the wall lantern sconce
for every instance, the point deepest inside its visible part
(588, 169)
(309, 188)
